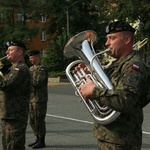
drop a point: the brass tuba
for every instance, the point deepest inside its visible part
(81, 45)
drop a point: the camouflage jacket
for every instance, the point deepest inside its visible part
(129, 77)
(39, 78)
(15, 92)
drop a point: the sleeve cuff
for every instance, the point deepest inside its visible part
(97, 92)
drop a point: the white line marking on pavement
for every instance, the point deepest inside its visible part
(77, 120)
(146, 132)
(66, 118)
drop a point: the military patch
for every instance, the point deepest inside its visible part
(135, 67)
(131, 79)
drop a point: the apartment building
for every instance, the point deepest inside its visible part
(38, 42)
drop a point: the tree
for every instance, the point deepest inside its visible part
(55, 59)
(136, 13)
(10, 26)
(82, 16)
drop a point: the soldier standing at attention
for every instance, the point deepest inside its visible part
(38, 100)
(14, 98)
(129, 76)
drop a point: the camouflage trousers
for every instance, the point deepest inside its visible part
(13, 134)
(103, 145)
(37, 114)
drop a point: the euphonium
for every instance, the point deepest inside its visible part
(81, 45)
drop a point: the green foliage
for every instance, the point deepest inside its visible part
(55, 58)
(10, 26)
(56, 73)
(130, 11)
(82, 15)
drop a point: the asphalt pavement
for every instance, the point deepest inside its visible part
(69, 124)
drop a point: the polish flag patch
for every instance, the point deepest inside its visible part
(135, 67)
(16, 69)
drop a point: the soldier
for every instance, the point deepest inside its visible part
(38, 100)
(129, 76)
(14, 100)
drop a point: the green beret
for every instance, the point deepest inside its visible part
(119, 26)
(33, 52)
(15, 43)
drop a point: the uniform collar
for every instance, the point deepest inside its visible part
(126, 58)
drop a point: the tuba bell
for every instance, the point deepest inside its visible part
(81, 45)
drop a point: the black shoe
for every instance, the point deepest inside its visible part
(40, 143)
(30, 145)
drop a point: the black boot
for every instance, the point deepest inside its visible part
(37, 138)
(40, 143)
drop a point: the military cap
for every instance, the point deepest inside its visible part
(16, 43)
(33, 52)
(119, 26)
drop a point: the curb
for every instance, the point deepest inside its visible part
(53, 81)
(58, 83)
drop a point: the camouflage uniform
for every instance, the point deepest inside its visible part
(129, 77)
(38, 100)
(14, 104)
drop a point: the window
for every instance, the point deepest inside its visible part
(22, 17)
(43, 52)
(1, 16)
(43, 37)
(43, 18)
(19, 17)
